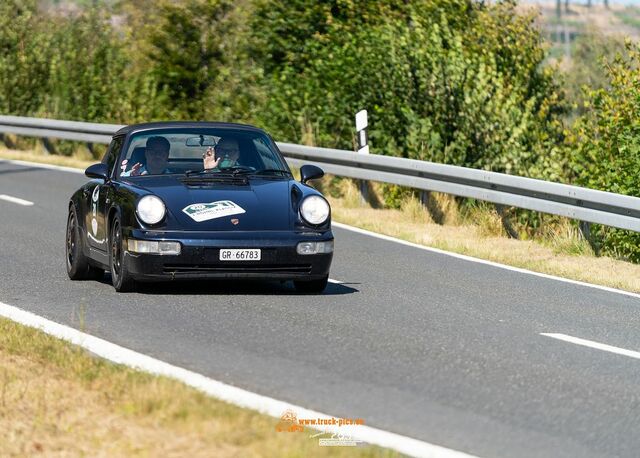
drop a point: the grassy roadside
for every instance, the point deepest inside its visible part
(562, 252)
(58, 400)
(51, 159)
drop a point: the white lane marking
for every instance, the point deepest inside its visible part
(592, 344)
(43, 166)
(482, 261)
(228, 393)
(16, 200)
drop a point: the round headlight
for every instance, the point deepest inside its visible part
(314, 210)
(151, 209)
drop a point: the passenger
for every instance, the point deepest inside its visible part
(226, 155)
(157, 155)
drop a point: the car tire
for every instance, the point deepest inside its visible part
(120, 277)
(311, 286)
(78, 267)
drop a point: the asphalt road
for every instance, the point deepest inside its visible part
(414, 342)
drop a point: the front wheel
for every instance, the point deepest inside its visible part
(120, 277)
(311, 286)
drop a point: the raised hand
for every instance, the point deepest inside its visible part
(209, 160)
(135, 170)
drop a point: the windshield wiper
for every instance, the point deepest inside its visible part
(227, 171)
(238, 169)
(271, 172)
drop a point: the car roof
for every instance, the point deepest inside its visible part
(133, 128)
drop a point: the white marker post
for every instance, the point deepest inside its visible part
(363, 147)
(361, 128)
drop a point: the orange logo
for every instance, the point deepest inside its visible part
(235, 221)
(289, 423)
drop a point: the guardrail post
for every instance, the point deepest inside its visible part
(47, 146)
(424, 198)
(364, 191)
(7, 141)
(506, 224)
(585, 230)
(431, 205)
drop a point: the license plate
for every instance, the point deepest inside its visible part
(240, 255)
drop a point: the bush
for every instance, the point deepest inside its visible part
(24, 61)
(456, 82)
(607, 145)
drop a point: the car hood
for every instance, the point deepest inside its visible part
(260, 204)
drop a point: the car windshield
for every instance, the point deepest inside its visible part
(201, 151)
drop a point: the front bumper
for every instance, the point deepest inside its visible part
(200, 251)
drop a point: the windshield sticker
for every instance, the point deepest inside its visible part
(205, 212)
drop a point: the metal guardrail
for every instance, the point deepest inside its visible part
(583, 204)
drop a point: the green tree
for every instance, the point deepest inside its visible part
(186, 52)
(587, 70)
(88, 71)
(607, 145)
(24, 49)
(452, 81)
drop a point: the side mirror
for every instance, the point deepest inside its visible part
(98, 171)
(310, 172)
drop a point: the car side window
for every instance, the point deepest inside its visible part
(111, 156)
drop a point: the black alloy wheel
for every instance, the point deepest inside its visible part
(120, 277)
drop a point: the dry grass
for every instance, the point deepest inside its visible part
(80, 159)
(57, 400)
(480, 233)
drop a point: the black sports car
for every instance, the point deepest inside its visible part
(195, 200)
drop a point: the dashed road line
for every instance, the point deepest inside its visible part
(16, 200)
(592, 344)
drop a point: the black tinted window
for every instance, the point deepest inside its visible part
(112, 153)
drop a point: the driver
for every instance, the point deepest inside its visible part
(226, 155)
(157, 155)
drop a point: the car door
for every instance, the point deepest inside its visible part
(99, 195)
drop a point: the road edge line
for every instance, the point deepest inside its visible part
(231, 394)
(42, 165)
(465, 257)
